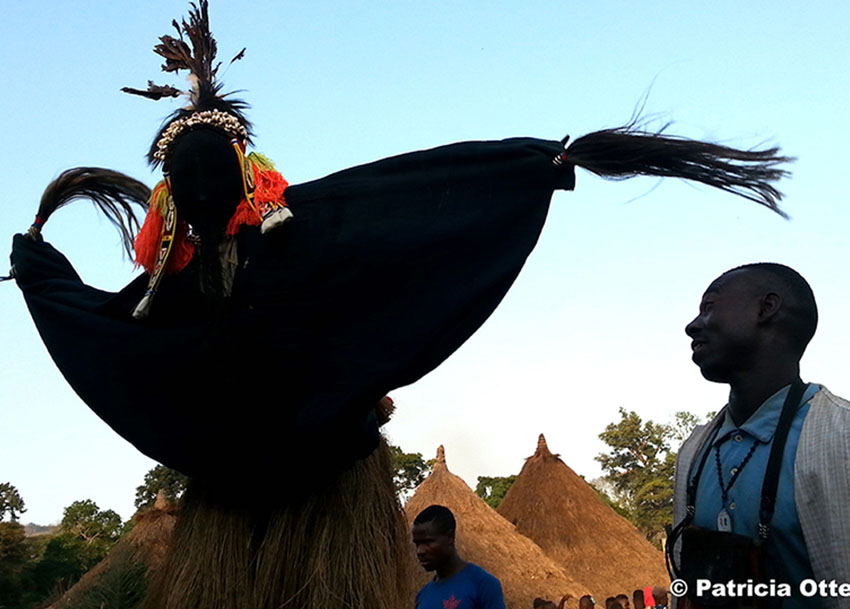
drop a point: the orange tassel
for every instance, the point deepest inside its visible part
(149, 239)
(245, 215)
(270, 187)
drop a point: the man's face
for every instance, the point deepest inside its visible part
(433, 546)
(725, 333)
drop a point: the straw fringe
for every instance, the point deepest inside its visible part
(345, 545)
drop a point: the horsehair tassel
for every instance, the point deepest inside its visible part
(629, 151)
(114, 193)
(34, 231)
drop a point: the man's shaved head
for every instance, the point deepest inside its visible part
(800, 312)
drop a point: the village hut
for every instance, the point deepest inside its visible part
(490, 541)
(552, 505)
(121, 579)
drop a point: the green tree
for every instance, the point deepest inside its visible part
(609, 495)
(640, 466)
(636, 448)
(14, 553)
(64, 560)
(160, 478)
(10, 502)
(84, 520)
(492, 489)
(85, 536)
(682, 426)
(409, 470)
(652, 502)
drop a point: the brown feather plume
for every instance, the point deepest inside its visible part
(200, 57)
(197, 55)
(193, 49)
(154, 92)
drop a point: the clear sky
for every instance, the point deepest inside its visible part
(594, 322)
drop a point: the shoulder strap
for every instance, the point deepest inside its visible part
(673, 533)
(774, 463)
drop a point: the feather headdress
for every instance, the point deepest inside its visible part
(162, 245)
(196, 53)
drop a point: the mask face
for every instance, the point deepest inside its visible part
(206, 181)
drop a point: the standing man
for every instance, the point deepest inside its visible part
(457, 584)
(768, 477)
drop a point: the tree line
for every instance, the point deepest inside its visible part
(37, 569)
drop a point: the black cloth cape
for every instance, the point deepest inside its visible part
(384, 271)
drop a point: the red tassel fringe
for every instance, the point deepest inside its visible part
(149, 240)
(244, 215)
(269, 189)
(270, 186)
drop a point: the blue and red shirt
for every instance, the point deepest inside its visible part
(471, 588)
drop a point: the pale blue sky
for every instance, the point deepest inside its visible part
(595, 320)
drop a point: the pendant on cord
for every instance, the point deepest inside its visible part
(724, 521)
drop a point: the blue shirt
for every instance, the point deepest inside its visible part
(786, 542)
(472, 588)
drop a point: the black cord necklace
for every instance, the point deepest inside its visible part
(724, 521)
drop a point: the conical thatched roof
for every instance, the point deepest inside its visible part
(130, 564)
(563, 514)
(490, 541)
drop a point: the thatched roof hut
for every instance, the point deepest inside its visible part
(564, 515)
(488, 540)
(121, 578)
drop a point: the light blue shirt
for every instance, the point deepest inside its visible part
(786, 542)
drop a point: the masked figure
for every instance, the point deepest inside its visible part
(272, 318)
